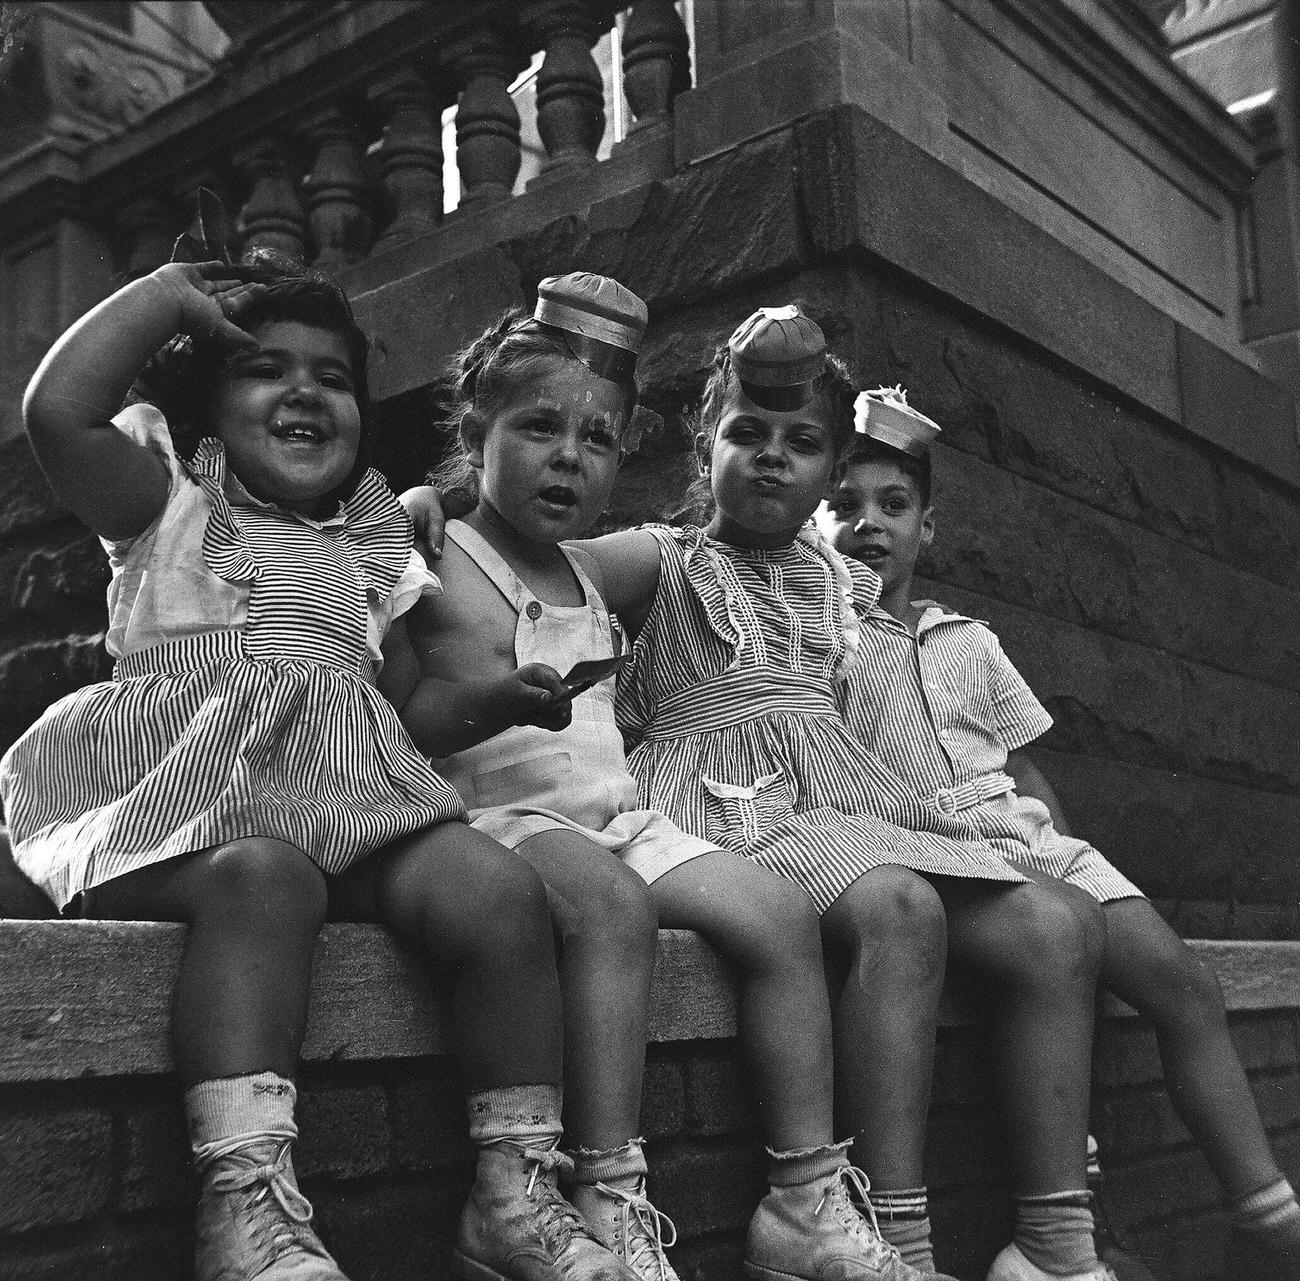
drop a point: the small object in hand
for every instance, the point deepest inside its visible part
(591, 671)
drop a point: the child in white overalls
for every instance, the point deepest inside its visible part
(545, 402)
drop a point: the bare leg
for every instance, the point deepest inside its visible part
(608, 935)
(889, 926)
(1040, 946)
(254, 908)
(1146, 964)
(471, 905)
(766, 927)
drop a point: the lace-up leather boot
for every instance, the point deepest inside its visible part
(253, 1223)
(629, 1226)
(517, 1227)
(814, 1232)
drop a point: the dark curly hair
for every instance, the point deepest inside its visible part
(916, 467)
(514, 346)
(182, 379)
(834, 386)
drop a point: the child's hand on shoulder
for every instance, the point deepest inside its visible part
(209, 300)
(535, 695)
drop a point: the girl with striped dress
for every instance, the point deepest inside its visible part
(544, 405)
(241, 771)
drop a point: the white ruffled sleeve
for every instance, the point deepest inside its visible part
(416, 580)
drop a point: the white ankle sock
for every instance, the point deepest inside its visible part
(622, 1167)
(1271, 1214)
(519, 1112)
(803, 1165)
(229, 1108)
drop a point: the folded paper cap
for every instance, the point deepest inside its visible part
(778, 347)
(602, 321)
(885, 415)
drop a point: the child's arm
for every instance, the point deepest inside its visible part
(447, 716)
(115, 485)
(1030, 782)
(628, 560)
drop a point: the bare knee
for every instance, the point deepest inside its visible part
(261, 883)
(613, 912)
(889, 917)
(1060, 932)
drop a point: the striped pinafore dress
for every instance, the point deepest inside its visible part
(529, 780)
(243, 700)
(730, 699)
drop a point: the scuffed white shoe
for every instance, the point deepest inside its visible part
(630, 1227)
(253, 1223)
(814, 1232)
(1011, 1265)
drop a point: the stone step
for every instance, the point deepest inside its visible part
(93, 998)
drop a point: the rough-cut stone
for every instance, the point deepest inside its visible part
(64, 577)
(344, 1132)
(54, 1167)
(36, 675)
(26, 499)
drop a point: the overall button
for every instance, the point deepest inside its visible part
(534, 610)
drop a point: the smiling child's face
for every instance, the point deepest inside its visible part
(876, 515)
(548, 459)
(288, 417)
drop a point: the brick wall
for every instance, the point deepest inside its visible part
(93, 1179)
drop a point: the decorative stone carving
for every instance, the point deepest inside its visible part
(656, 60)
(338, 202)
(487, 121)
(272, 217)
(410, 157)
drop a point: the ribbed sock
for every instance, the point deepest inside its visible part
(1054, 1232)
(903, 1216)
(519, 1112)
(228, 1109)
(803, 1165)
(1271, 1215)
(622, 1167)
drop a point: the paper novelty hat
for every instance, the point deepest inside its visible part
(777, 355)
(885, 415)
(601, 320)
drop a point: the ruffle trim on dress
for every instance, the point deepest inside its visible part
(375, 525)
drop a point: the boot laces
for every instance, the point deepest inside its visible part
(641, 1228)
(838, 1198)
(271, 1188)
(558, 1221)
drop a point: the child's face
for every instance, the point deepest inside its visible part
(875, 515)
(548, 458)
(288, 415)
(769, 469)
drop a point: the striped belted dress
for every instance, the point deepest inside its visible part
(242, 702)
(730, 704)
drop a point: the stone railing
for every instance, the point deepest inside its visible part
(327, 136)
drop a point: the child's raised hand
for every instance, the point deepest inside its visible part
(210, 300)
(535, 694)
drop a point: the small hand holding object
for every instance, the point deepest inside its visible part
(535, 694)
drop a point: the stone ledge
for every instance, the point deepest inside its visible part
(93, 998)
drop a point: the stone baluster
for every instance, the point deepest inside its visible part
(487, 121)
(656, 61)
(272, 217)
(338, 202)
(410, 157)
(149, 229)
(570, 93)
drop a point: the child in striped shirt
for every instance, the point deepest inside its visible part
(241, 770)
(544, 406)
(937, 699)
